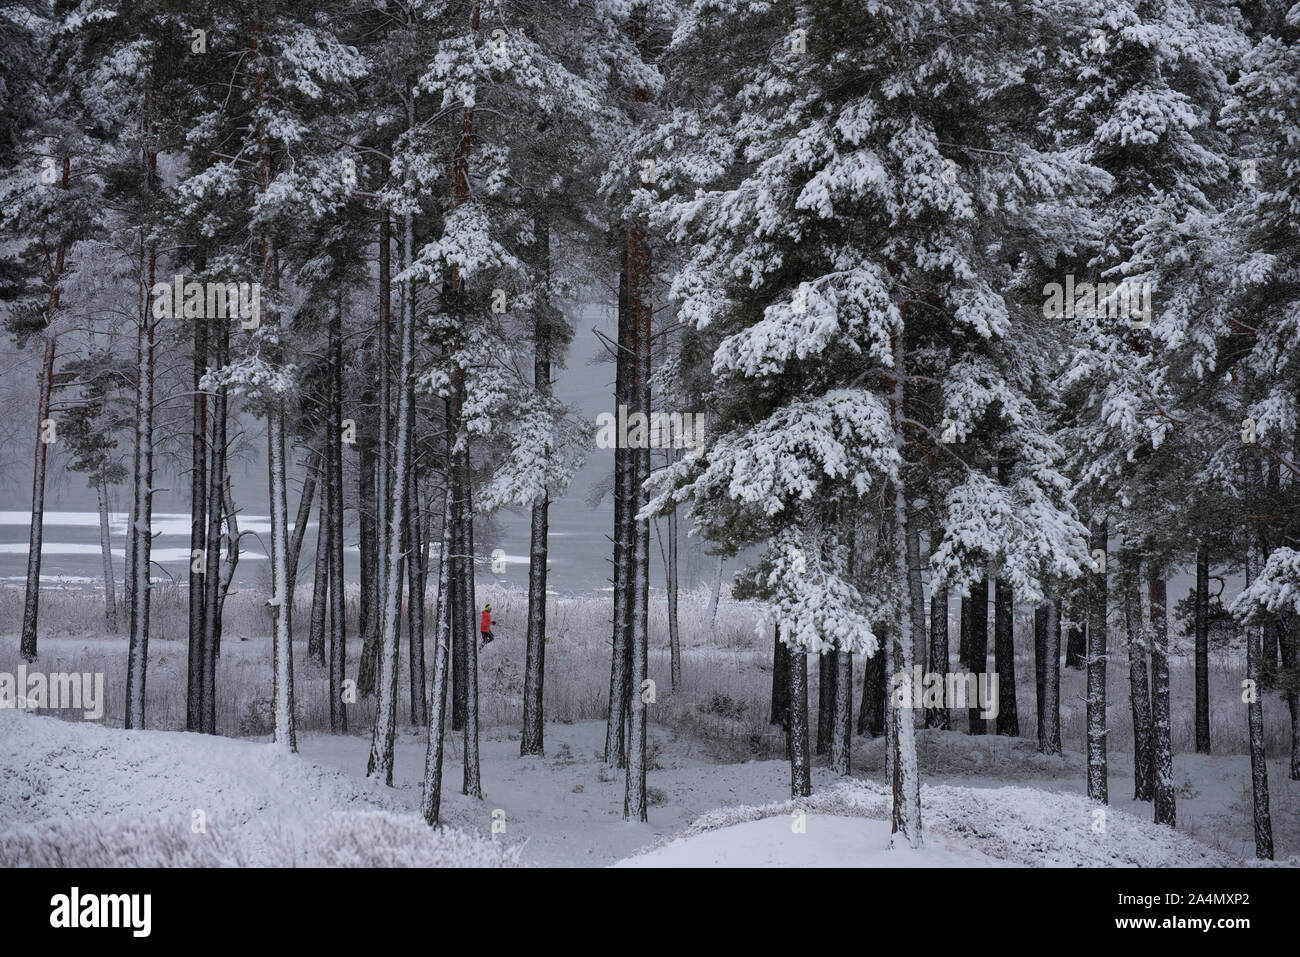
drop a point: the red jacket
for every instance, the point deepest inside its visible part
(486, 623)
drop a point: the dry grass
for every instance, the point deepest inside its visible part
(724, 698)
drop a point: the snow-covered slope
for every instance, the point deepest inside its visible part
(82, 794)
(847, 825)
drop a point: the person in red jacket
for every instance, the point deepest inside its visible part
(485, 625)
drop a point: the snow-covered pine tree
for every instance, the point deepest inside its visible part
(865, 360)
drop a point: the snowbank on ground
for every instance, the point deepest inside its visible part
(961, 827)
(82, 795)
(814, 840)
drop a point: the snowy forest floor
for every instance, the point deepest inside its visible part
(711, 748)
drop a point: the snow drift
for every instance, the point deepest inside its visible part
(81, 795)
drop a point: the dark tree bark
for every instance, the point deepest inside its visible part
(1076, 639)
(1161, 736)
(615, 744)
(978, 655)
(1004, 656)
(198, 532)
(1050, 739)
(963, 635)
(671, 583)
(368, 520)
(214, 592)
(842, 707)
(303, 517)
(1096, 670)
(1255, 723)
(36, 531)
(939, 717)
(1139, 692)
(532, 740)
(875, 688)
(800, 759)
(1202, 652)
(1040, 667)
(334, 498)
(415, 552)
(320, 585)
(431, 799)
(142, 515)
(780, 713)
(826, 673)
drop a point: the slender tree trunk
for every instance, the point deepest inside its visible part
(800, 759)
(875, 685)
(1040, 667)
(532, 739)
(36, 530)
(615, 745)
(1161, 737)
(198, 533)
(906, 816)
(635, 805)
(282, 586)
(303, 518)
(334, 498)
(472, 781)
(1202, 652)
(916, 597)
(1050, 742)
(826, 674)
(671, 582)
(380, 764)
(1096, 672)
(1135, 618)
(716, 594)
(431, 800)
(31, 604)
(978, 646)
(841, 736)
(1255, 723)
(212, 580)
(367, 520)
(780, 680)
(1004, 656)
(939, 717)
(415, 582)
(320, 584)
(138, 647)
(1076, 639)
(963, 640)
(106, 554)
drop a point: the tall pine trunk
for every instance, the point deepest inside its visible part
(1096, 670)
(36, 530)
(198, 532)
(1004, 657)
(1202, 651)
(797, 734)
(1049, 741)
(431, 799)
(137, 661)
(334, 497)
(212, 580)
(906, 783)
(615, 742)
(532, 739)
(1161, 736)
(1255, 724)
(1135, 616)
(939, 717)
(635, 803)
(106, 556)
(977, 654)
(320, 584)
(780, 713)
